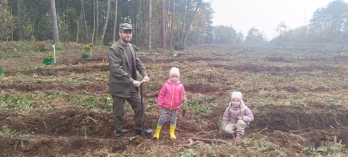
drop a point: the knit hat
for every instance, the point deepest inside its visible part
(174, 71)
(239, 96)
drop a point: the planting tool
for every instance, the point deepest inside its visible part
(144, 132)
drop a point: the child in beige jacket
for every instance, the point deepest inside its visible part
(237, 116)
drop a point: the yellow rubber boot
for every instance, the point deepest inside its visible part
(157, 133)
(171, 133)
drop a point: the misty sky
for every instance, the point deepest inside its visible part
(265, 15)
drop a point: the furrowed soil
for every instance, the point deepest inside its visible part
(280, 119)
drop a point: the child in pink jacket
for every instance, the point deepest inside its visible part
(237, 116)
(170, 97)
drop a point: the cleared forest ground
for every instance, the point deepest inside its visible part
(298, 95)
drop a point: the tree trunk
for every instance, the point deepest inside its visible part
(93, 34)
(163, 25)
(167, 13)
(184, 22)
(78, 31)
(149, 23)
(19, 26)
(144, 22)
(115, 23)
(134, 20)
(54, 22)
(84, 18)
(189, 22)
(106, 21)
(97, 21)
(67, 19)
(172, 25)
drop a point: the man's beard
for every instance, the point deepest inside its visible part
(125, 40)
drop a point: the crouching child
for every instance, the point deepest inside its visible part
(237, 117)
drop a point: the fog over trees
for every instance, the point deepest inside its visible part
(156, 23)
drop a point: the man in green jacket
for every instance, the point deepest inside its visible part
(123, 84)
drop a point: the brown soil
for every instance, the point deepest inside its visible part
(60, 132)
(97, 87)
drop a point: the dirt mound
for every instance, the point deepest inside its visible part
(97, 87)
(275, 70)
(296, 127)
(62, 131)
(303, 126)
(202, 88)
(60, 71)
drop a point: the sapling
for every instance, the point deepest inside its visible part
(84, 130)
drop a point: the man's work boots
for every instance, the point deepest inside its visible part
(157, 133)
(138, 132)
(171, 133)
(119, 135)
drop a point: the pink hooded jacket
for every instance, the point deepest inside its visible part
(170, 95)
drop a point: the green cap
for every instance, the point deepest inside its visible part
(125, 26)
